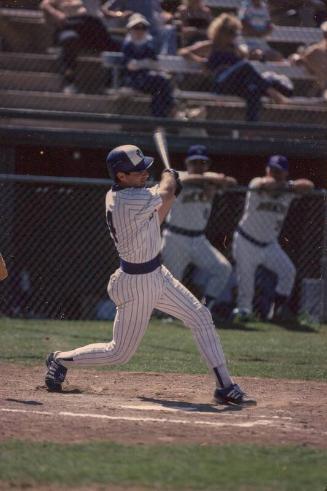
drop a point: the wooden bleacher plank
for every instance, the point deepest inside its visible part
(36, 62)
(218, 107)
(174, 64)
(178, 64)
(34, 81)
(223, 4)
(20, 4)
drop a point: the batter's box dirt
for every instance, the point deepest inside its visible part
(154, 408)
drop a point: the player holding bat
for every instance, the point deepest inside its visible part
(184, 240)
(141, 284)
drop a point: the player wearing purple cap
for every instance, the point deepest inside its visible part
(134, 215)
(256, 237)
(184, 239)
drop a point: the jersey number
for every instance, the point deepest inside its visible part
(111, 226)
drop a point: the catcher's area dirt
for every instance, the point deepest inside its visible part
(158, 408)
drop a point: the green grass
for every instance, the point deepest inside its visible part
(164, 467)
(257, 349)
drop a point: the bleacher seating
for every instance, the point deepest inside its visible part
(27, 28)
(29, 77)
(24, 30)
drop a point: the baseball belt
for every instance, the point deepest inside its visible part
(251, 239)
(184, 231)
(140, 268)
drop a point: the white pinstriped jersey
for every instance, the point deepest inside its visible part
(134, 224)
(264, 213)
(192, 208)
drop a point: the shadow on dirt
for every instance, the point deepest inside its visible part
(21, 401)
(190, 407)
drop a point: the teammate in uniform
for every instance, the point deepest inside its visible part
(141, 283)
(256, 237)
(184, 240)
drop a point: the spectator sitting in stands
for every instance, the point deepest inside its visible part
(256, 25)
(314, 58)
(194, 17)
(78, 25)
(233, 74)
(139, 55)
(302, 13)
(163, 32)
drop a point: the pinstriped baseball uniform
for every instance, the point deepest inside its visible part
(262, 221)
(190, 214)
(132, 215)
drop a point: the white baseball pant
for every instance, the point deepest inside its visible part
(178, 251)
(135, 297)
(248, 257)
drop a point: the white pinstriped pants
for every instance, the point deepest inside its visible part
(248, 257)
(178, 251)
(135, 297)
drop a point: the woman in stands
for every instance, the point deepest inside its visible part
(233, 73)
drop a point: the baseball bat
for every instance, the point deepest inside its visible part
(161, 144)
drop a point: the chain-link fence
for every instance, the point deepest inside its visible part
(60, 255)
(44, 66)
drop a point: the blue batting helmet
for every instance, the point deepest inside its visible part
(127, 158)
(197, 152)
(279, 162)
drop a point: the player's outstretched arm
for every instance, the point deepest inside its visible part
(209, 178)
(300, 185)
(267, 183)
(220, 180)
(167, 189)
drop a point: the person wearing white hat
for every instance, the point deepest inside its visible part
(139, 54)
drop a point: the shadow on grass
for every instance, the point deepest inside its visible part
(295, 325)
(236, 326)
(190, 407)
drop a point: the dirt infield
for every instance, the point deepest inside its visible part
(158, 408)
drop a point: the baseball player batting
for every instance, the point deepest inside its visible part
(134, 215)
(256, 238)
(184, 241)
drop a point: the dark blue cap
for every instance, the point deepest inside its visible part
(197, 152)
(278, 162)
(127, 158)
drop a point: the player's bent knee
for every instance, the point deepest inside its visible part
(120, 354)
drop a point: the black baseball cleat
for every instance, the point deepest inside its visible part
(55, 375)
(233, 395)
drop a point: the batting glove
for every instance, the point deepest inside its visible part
(179, 185)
